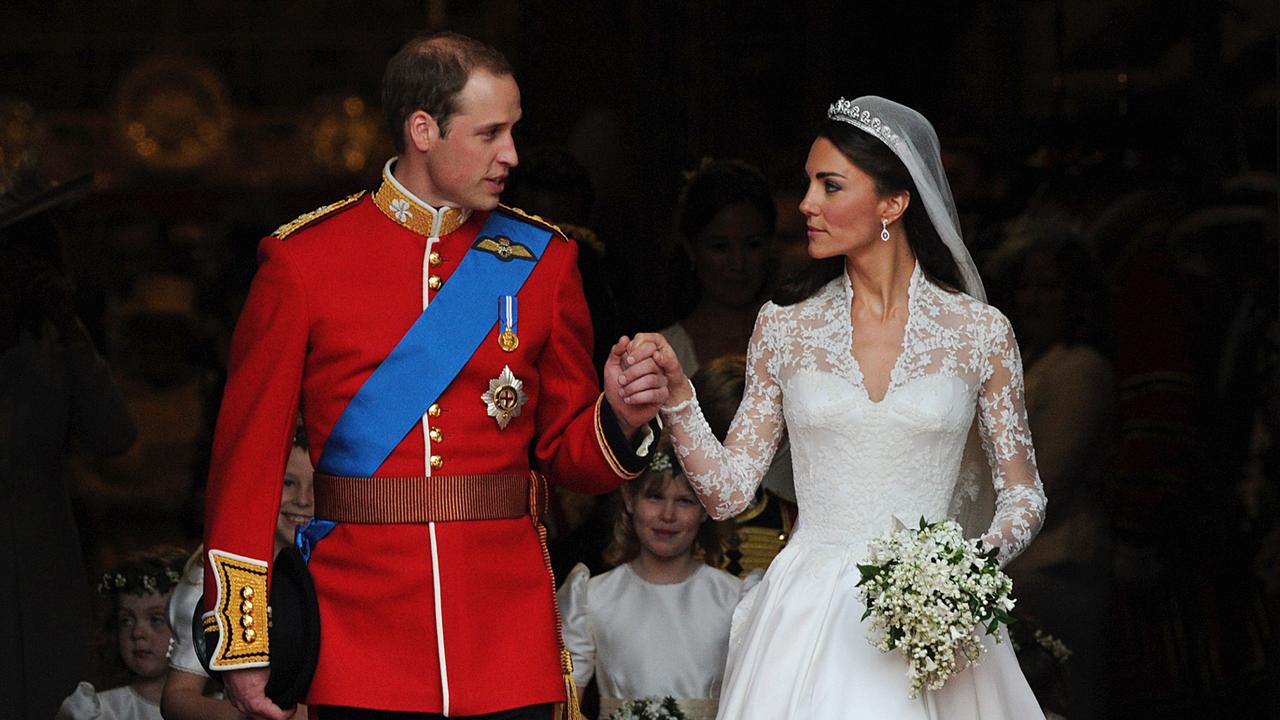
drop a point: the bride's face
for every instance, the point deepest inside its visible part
(842, 207)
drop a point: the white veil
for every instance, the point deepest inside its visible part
(912, 138)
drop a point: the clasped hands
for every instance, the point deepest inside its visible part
(641, 376)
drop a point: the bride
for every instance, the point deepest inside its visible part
(876, 361)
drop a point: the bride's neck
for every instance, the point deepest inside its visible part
(880, 276)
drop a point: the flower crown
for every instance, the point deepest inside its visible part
(650, 708)
(662, 461)
(846, 112)
(160, 581)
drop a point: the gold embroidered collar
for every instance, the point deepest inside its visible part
(406, 209)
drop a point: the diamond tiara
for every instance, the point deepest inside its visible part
(845, 111)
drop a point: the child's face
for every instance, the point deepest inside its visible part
(666, 516)
(297, 501)
(143, 633)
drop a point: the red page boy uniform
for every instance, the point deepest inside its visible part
(434, 586)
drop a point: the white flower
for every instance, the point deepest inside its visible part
(400, 208)
(927, 591)
(650, 708)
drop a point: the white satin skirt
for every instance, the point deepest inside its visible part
(798, 649)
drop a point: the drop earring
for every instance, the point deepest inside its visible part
(884, 230)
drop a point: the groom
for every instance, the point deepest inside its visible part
(439, 347)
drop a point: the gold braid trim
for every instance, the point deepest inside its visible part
(306, 219)
(534, 219)
(614, 463)
(539, 498)
(240, 608)
(572, 708)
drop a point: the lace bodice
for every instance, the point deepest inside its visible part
(859, 463)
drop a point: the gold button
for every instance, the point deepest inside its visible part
(436, 435)
(246, 607)
(434, 410)
(434, 258)
(437, 462)
(246, 592)
(250, 635)
(434, 282)
(246, 621)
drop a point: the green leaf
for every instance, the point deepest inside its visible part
(868, 572)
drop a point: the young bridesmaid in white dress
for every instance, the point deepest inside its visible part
(876, 363)
(658, 624)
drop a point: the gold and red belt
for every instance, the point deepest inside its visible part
(438, 498)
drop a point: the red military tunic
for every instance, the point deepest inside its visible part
(455, 618)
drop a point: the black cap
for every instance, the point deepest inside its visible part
(295, 630)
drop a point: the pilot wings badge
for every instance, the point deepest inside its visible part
(504, 248)
(505, 397)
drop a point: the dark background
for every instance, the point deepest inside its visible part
(206, 125)
(639, 90)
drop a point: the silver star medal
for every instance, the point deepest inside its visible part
(505, 397)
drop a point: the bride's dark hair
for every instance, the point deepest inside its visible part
(874, 158)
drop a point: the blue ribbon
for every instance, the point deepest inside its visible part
(305, 537)
(432, 352)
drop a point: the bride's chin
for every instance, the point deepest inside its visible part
(818, 252)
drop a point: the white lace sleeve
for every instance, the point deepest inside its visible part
(726, 476)
(1006, 439)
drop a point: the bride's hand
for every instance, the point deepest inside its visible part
(654, 347)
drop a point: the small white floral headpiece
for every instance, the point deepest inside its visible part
(661, 462)
(160, 581)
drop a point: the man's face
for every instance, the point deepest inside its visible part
(467, 167)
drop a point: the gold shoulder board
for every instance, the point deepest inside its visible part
(306, 219)
(534, 219)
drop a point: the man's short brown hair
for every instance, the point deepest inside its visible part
(428, 73)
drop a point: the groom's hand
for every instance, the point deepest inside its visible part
(246, 690)
(653, 347)
(634, 387)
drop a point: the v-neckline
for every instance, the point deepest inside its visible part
(861, 377)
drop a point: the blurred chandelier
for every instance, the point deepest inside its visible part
(171, 114)
(342, 134)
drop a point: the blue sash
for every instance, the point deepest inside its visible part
(433, 351)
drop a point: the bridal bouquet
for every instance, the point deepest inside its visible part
(649, 709)
(927, 591)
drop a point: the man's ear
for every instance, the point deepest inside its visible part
(421, 131)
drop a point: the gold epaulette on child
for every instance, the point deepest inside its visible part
(306, 219)
(535, 219)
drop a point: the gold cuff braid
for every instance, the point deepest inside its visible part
(614, 463)
(241, 612)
